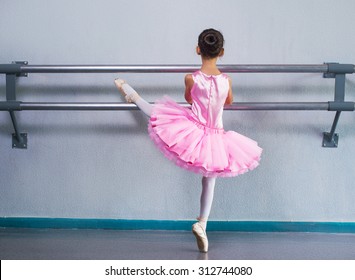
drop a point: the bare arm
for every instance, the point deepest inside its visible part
(229, 99)
(189, 82)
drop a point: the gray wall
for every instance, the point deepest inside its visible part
(103, 164)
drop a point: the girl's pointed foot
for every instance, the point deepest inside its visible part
(126, 90)
(201, 237)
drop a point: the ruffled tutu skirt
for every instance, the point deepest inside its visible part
(191, 145)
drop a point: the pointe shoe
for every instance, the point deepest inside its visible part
(201, 237)
(126, 90)
(119, 82)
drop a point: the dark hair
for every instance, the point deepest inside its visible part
(210, 42)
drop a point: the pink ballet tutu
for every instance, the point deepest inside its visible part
(211, 152)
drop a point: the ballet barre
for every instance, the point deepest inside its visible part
(329, 70)
(22, 68)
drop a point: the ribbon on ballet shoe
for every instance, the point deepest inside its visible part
(201, 219)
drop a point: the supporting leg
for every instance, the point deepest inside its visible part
(206, 199)
(199, 228)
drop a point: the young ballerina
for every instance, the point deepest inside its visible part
(194, 137)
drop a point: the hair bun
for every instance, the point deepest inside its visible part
(210, 42)
(210, 39)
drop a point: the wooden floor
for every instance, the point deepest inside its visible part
(57, 244)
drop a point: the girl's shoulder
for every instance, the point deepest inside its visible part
(224, 75)
(189, 82)
(189, 78)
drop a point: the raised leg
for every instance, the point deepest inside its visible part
(132, 96)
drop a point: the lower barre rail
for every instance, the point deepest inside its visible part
(90, 106)
(329, 139)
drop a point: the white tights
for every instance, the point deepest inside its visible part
(144, 106)
(208, 183)
(206, 199)
(137, 99)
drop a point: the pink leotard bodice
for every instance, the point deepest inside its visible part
(209, 94)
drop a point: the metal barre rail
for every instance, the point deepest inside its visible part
(101, 106)
(329, 70)
(174, 69)
(23, 67)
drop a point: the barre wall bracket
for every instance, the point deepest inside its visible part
(19, 140)
(22, 144)
(338, 72)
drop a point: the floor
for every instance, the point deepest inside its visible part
(60, 244)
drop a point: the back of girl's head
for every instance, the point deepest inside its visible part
(210, 43)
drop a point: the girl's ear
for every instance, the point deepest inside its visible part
(198, 51)
(221, 52)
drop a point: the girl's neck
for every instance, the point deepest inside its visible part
(209, 66)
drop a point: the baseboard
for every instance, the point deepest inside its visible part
(121, 224)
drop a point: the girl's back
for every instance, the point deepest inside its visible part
(209, 94)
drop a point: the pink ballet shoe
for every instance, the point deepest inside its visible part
(201, 237)
(126, 90)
